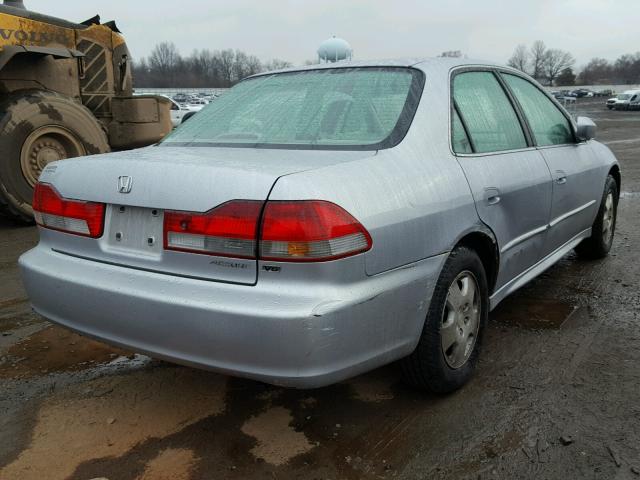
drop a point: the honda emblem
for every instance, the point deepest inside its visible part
(124, 184)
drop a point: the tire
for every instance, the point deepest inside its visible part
(432, 366)
(187, 116)
(604, 226)
(38, 127)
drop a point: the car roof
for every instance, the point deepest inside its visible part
(424, 64)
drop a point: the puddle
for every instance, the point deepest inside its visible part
(107, 417)
(55, 349)
(533, 313)
(170, 464)
(277, 441)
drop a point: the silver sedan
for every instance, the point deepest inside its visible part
(316, 223)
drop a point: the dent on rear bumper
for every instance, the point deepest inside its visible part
(301, 337)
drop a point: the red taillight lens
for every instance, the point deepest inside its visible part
(292, 231)
(228, 230)
(311, 230)
(71, 216)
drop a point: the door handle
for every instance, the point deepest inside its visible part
(492, 196)
(561, 177)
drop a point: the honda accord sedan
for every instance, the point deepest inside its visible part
(316, 223)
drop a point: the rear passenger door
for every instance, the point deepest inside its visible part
(576, 173)
(509, 179)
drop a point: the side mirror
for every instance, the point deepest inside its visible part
(586, 128)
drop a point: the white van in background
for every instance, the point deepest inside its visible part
(629, 100)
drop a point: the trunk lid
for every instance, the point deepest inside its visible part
(138, 186)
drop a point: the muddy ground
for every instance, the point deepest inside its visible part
(561, 364)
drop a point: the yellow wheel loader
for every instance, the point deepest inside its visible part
(65, 91)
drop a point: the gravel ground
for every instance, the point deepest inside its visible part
(555, 396)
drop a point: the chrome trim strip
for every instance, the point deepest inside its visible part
(524, 237)
(553, 223)
(564, 216)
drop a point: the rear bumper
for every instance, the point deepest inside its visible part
(306, 336)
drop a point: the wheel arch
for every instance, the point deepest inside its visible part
(615, 173)
(46, 68)
(484, 243)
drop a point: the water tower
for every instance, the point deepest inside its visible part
(334, 49)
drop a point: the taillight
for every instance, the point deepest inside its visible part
(291, 231)
(228, 230)
(53, 211)
(310, 230)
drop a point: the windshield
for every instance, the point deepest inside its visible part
(624, 96)
(340, 108)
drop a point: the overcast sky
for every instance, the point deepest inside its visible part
(292, 30)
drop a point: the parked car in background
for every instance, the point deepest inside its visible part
(316, 223)
(604, 93)
(177, 112)
(180, 113)
(181, 97)
(629, 100)
(579, 93)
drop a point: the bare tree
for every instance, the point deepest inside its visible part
(598, 70)
(277, 64)
(254, 65)
(538, 54)
(164, 57)
(245, 65)
(203, 67)
(566, 78)
(240, 65)
(520, 58)
(555, 61)
(226, 59)
(627, 68)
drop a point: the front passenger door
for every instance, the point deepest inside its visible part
(576, 173)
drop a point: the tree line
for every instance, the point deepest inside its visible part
(553, 66)
(625, 70)
(165, 67)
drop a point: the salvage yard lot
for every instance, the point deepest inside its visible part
(555, 395)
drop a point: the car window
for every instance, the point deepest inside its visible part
(461, 143)
(634, 97)
(548, 125)
(331, 108)
(487, 112)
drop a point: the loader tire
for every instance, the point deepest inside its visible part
(36, 128)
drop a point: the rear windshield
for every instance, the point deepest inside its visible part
(342, 108)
